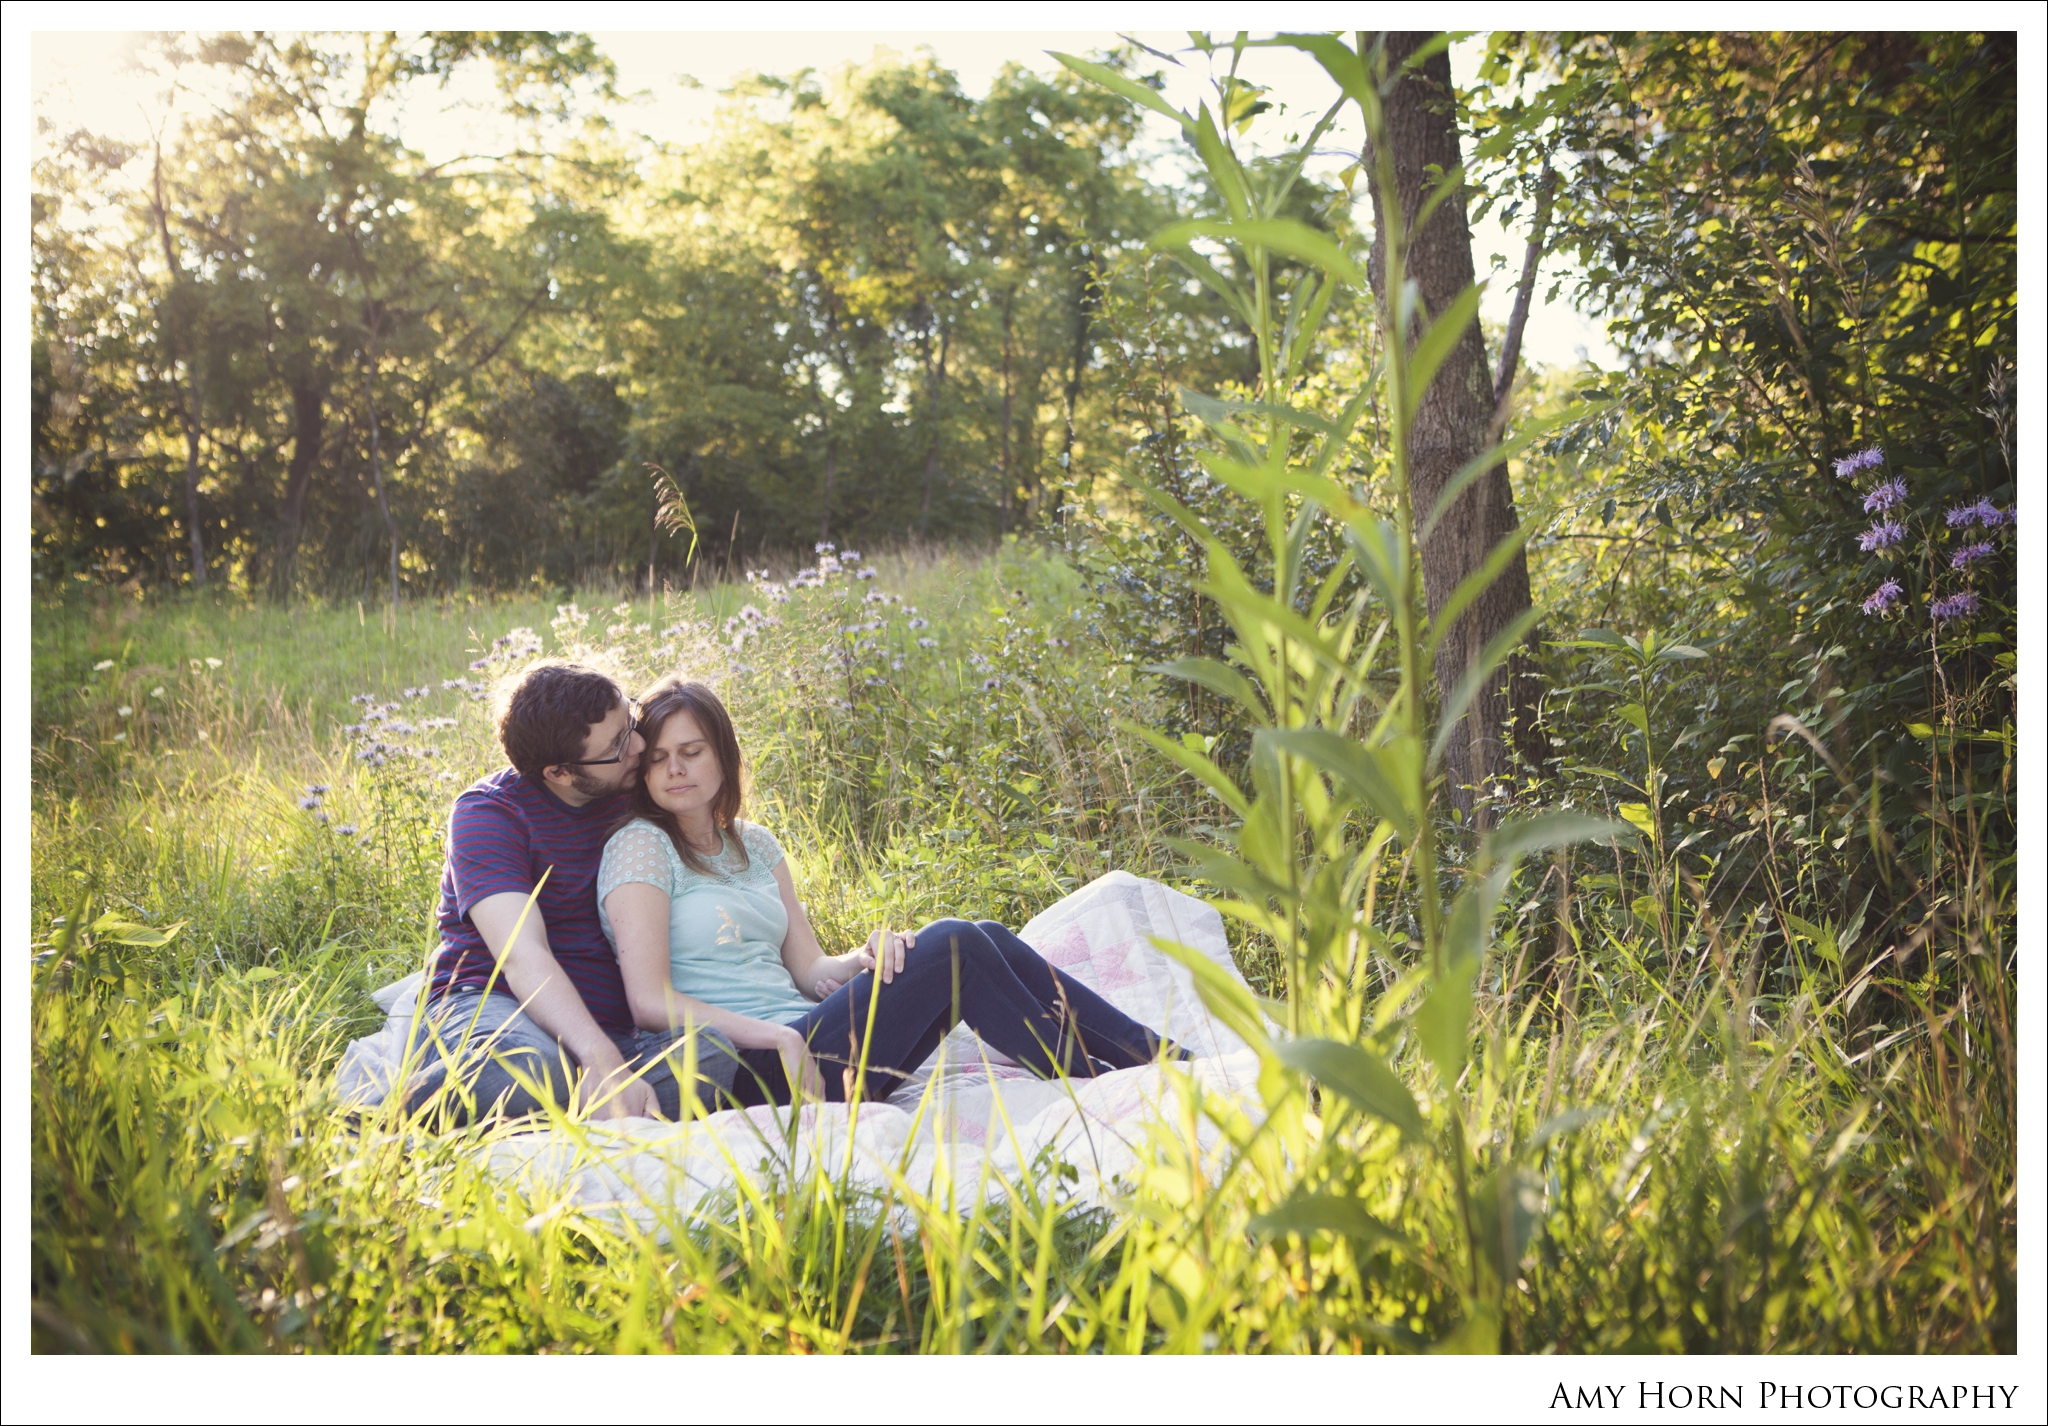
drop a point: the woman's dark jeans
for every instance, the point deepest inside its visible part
(957, 970)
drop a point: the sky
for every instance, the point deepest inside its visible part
(673, 80)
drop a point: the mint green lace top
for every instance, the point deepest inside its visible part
(725, 929)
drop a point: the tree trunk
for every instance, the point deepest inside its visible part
(935, 385)
(309, 417)
(188, 412)
(1077, 365)
(377, 471)
(1454, 423)
(1009, 487)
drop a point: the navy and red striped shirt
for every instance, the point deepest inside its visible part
(503, 834)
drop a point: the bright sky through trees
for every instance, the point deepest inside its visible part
(673, 83)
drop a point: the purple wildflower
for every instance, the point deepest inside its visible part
(1970, 553)
(1959, 605)
(1881, 536)
(1982, 513)
(1862, 460)
(1884, 598)
(1885, 496)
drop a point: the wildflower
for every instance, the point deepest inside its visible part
(481, 663)
(1982, 513)
(896, 663)
(1959, 605)
(103, 665)
(120, 737)
(307, 804)
(848, 556)
(875, 596)
(865, 574)
(823, 547)
(1886, 595)
(920, 624)
(347, 829)
(316, 789)
(157, 692)
(124, 710)
(1885, 496)
(1862, 460)
(213, 663)
(1878, 537)
(398, 725)
(1970, 553)
(361, 698)
(927, 643)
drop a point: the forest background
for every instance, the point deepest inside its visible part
(292, 379)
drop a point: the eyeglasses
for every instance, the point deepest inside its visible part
(619, 749)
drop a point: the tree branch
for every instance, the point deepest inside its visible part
(1511, 348)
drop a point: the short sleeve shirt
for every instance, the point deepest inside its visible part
(726, 927)
(504, 834)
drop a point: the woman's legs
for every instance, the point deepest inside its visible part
(957, 970)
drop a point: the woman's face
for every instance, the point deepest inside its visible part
(683, 775)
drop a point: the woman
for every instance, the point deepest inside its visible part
(704, 916)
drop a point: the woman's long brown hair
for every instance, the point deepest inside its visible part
(670, 696)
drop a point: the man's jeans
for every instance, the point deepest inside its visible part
(507, 1065)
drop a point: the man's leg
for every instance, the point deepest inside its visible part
(661, 1053)
(503, 1063)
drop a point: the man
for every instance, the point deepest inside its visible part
(526, 1000)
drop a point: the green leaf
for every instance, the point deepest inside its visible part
(1475, 584)
(1570, 1121)
(1284, 236)
(1228, 998)
(1637, 815)
(1507, 1204)
(1635, 715)
(1545, 831)
(1219, 678)
(1442, 1019)
(1122, 84)
(1309, 1213)
(1361, 1077)
(1476, 674)
(1436, 345)
(1212, 776)
(1356, 768)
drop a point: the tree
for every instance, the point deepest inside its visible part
(1459, 418)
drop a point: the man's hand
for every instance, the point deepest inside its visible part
(614, 1092)
(802, 1068)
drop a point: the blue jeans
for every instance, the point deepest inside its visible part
(502, 1058)
(977, 971)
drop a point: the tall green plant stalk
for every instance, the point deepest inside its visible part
(1326, 810)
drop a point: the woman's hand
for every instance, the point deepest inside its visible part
(885, 952)
(806, 1084)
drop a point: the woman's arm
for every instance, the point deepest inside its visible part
(640, 921)
(817, 974)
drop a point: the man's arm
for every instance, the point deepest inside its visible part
(530, 971)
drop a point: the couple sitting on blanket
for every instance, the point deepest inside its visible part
(658, 919)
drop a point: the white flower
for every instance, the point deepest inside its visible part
(120, 737)
(124, 710)
(103, 665)
(213, 663)
(157, 692)
(849, 556)
(204, 736)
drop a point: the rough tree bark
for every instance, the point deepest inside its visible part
(309, 420)
(1455, 422)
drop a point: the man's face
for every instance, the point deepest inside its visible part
(613, 737)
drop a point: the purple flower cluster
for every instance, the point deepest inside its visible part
(1862, 460)
(1970, 554)
(1886, 596)
(1959, 605)
(1882, 536)
(1982, 513)
(1891, 493)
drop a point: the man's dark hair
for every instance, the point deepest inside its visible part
(545, 713)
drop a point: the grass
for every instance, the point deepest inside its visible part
(1744, 1168)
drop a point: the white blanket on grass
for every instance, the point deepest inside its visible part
(965, 1128)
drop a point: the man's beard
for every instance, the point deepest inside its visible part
(592, 787)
